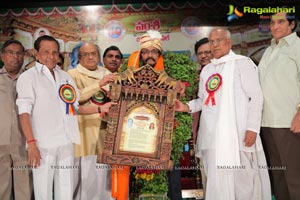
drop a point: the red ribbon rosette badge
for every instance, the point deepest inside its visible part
(212, 84)
(68, 95)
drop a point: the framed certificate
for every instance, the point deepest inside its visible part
(140, 126)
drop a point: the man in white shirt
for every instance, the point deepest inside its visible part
(279, 73)
(47, 102)
(228, 142)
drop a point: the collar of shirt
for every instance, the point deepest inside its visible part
(4, 71)
(288, 40)
(226, 58)
(40, 67)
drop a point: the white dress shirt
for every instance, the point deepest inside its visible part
(38, 95)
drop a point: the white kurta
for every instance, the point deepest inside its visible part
(248, 112)
(247, 103)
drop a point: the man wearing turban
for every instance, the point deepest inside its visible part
(150, 52)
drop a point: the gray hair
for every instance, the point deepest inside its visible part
(228, 34)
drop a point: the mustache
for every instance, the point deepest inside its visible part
(150, 58)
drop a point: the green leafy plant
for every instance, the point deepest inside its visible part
(151, 181)
(181, 67)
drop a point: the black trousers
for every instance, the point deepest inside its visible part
(174, 179)
(282, 149)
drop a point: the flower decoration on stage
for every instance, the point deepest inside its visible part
(151, 181)
(145, 174)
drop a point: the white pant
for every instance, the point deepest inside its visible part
(57, 164)
(93, 180)
(248, 183)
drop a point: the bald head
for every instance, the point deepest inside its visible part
(220, 42)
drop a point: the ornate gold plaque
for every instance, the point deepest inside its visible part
(140, 126)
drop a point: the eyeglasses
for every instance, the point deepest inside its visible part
(200, 53)
(17, 53)
(217, 41)
(88, 54)
(147, 52)
(47, 53)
